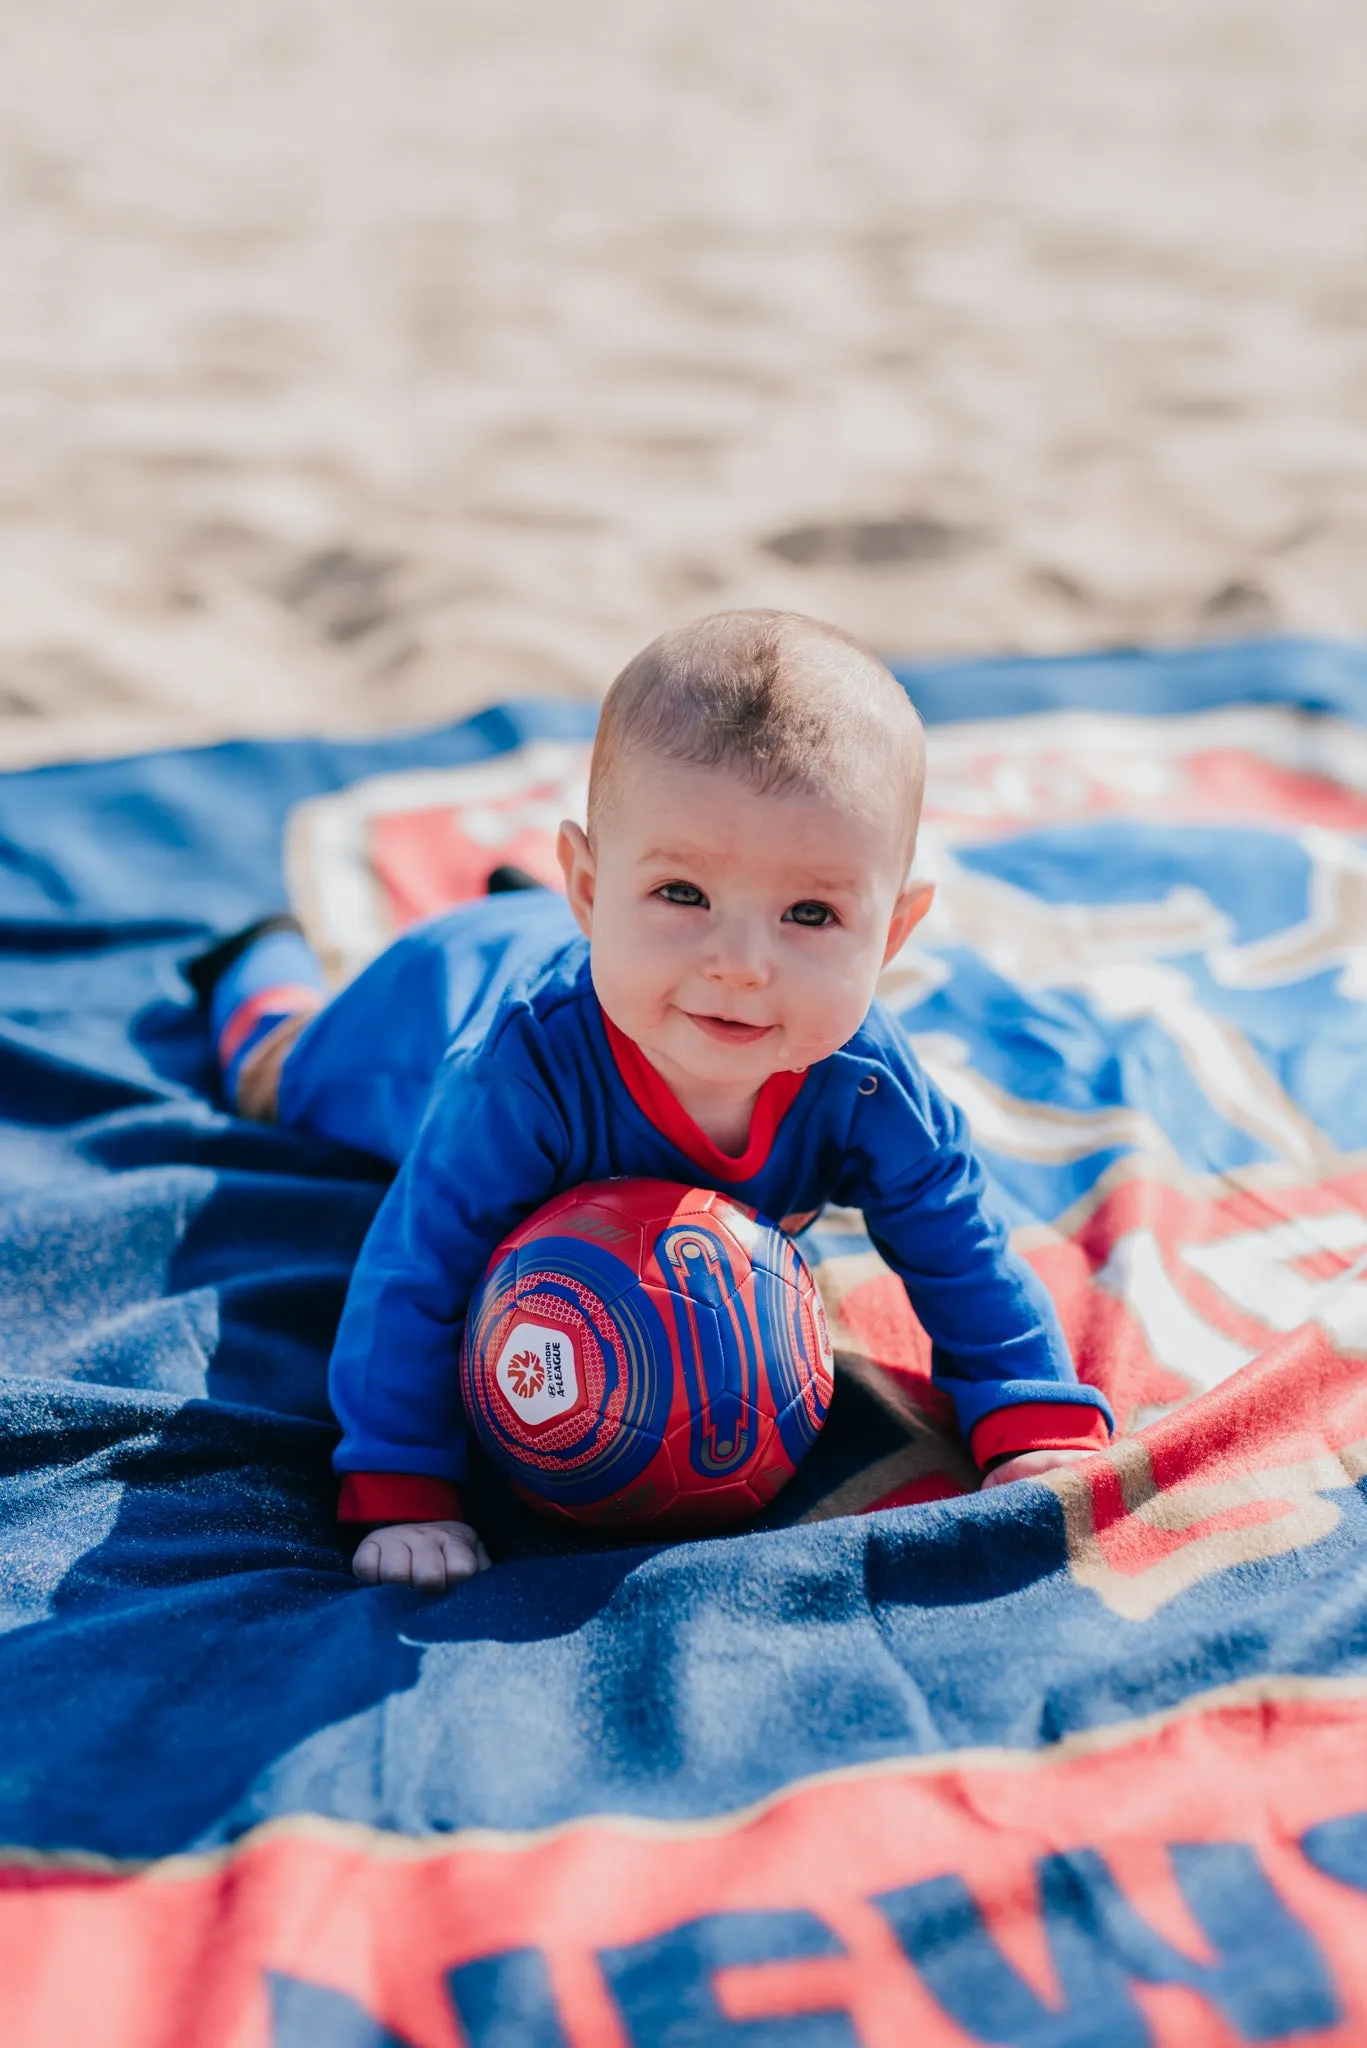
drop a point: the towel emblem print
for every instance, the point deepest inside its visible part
(367, 861)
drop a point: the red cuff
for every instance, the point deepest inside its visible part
(397, 1497)
(1038, 1426)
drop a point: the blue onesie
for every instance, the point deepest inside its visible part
(474, 1055)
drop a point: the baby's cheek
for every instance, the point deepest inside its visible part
(816, 1037)
(631, 987)
(835, 998)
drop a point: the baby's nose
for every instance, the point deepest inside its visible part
(741, 955)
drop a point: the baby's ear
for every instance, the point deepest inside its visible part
(576, 863)
(910, 907)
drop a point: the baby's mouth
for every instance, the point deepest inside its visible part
(729, 1029)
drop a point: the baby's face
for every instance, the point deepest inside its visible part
(735, 934)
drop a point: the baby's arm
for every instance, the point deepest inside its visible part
(489, 1152)
(999, 1351)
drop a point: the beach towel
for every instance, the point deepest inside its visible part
(1072, 1761)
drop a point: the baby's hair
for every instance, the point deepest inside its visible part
(786, 701)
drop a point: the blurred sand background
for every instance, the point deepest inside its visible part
(361, 364)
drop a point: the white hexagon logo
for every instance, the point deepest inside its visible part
(537, 1375)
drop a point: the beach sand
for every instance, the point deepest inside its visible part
(360, 365)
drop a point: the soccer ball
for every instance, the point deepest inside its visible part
(642, 1355)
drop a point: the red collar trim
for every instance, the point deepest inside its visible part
(657, 1101)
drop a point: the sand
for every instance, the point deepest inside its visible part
(360, 365)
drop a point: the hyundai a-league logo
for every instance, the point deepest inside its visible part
(537, 1374)
(526, 1374)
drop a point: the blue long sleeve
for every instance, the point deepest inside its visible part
(490, 1151)
(995, 1335)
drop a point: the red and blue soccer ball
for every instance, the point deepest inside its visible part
(641, 1355)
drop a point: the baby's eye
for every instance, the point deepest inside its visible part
(812, 915)
(686, 894)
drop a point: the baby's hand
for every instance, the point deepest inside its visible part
(1031, 1465)
(432, 1556)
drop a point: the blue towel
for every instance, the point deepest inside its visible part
(1067, 1762)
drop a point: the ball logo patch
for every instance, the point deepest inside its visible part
(537, 1375)
(526, 1375)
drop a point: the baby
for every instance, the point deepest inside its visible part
(699, 1007)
